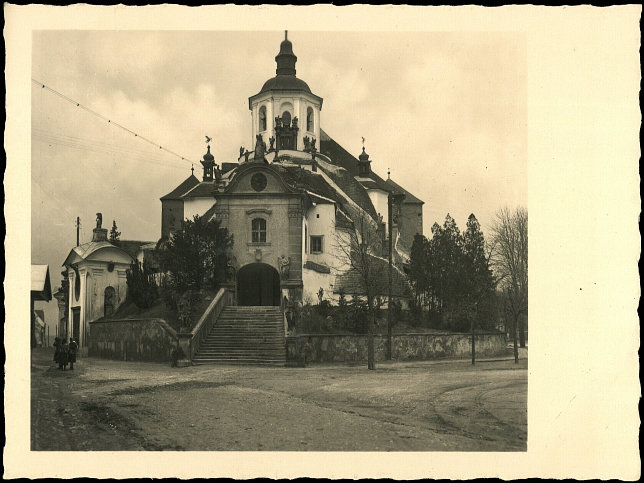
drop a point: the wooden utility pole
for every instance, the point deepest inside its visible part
(389, 321)
(473, 332)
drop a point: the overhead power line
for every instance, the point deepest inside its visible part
(109, 121)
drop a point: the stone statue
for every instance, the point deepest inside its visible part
(307, 143)
(231, 268)
(260, 147)
(246, 154)
(241, 151)
(278, 121)
(99, 220)
(272, 141)
(294, 122)
(313, 144)
(284, 263)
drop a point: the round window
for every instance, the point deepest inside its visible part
(258, 181)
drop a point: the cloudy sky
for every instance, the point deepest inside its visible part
(445, 111)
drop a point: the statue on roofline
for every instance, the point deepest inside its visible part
(99, 220)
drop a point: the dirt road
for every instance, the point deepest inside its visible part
(415, 406)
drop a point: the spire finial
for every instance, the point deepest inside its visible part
(363, 142)
(285, 34)
(192, 169)
(388, 173)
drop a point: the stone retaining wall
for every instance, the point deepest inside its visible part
(405, 347)
(149, 340)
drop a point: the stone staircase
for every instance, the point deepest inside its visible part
(245, 335)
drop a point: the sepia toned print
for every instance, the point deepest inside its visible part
(245, 316)
(343, 269)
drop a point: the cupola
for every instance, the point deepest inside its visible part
(364, 164)
(208, 163)
(286, 59)
(285, 109)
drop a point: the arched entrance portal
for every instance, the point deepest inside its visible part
(258, 284)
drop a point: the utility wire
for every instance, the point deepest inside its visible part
(109, 121)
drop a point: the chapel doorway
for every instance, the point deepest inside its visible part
(76, 323)
(258, 284)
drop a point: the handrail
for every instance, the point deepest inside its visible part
(202, 328)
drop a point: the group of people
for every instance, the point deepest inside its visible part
(65, 353)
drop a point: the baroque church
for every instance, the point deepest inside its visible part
(294, 201)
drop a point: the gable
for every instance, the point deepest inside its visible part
(257, 179)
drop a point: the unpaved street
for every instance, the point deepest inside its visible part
(402, 406)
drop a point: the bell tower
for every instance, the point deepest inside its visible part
(285, 110)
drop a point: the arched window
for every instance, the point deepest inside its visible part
(259, 230)
(108, 301)
(309, 119)
(286, 118)
(262, 118)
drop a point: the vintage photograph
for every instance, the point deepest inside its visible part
(279, 240)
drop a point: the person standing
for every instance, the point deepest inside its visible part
(63, 355)
(73, 350)
(57, 345)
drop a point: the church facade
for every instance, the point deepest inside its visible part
(293, 202)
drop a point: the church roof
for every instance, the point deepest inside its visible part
(131, 247)
(183, 188)
(341, 157)
(285, 83)
(305, 179)
(409, 198)
(204, 189)
(351, 281)
(347, 183)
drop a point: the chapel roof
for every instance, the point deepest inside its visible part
(86, 249)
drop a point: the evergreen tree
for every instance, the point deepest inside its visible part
(194, 255)
(115, 235)
(479, 282)
(418, 274)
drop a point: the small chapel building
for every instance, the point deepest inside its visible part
(293, 200)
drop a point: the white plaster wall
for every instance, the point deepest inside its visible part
(313, 281)
(323, 226)
(196, 206)
(380, 203)
(275, 107)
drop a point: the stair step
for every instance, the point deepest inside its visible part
(245, 335)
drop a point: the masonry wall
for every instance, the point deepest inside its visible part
(149, 340)
(405, 347)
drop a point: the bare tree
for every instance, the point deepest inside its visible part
(357, 247)
(510, 262)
